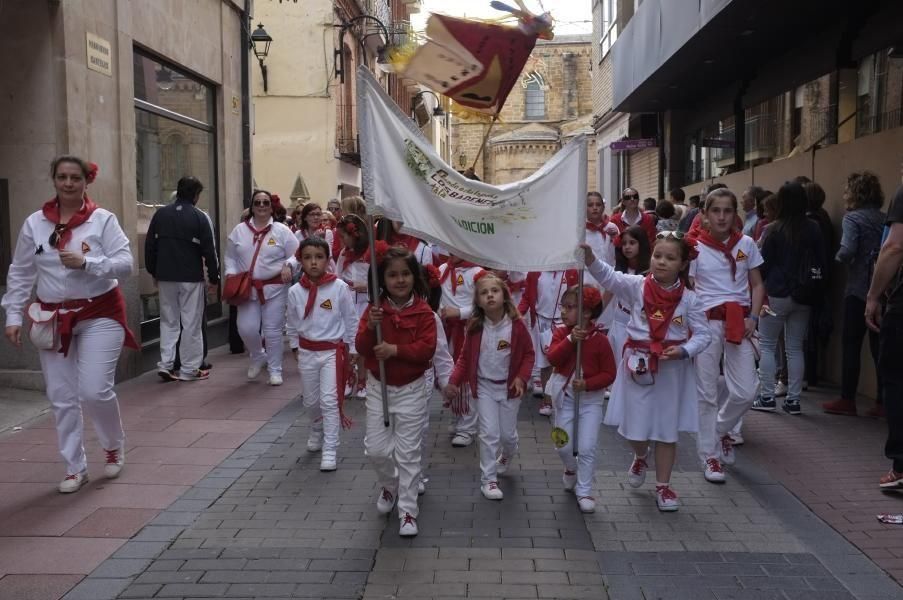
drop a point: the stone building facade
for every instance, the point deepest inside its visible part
(550, 105)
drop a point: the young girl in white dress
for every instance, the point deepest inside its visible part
(631, 257)
(654, 394)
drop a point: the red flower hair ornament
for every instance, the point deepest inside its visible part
(591, 298)
(381, 248)
(93, 169)
(483, 273)
(432, 276)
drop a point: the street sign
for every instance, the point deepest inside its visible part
(717, 143)
(638, 144)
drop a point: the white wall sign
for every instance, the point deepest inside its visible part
(100, 55)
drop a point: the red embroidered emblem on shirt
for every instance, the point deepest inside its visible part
(740, 255)
(327, 304)
(678, 320)
(85, 248)
(460, 280)
(503, 345)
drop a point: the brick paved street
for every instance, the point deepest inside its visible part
(221, 499)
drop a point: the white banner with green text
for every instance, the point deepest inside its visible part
(529, 225)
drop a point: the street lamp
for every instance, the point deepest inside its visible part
(437, 112)
(260, 42)
(339, 54)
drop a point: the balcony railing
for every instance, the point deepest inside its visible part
(868, 124)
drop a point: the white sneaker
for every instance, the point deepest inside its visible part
(587, 504)
(328, 461)
(275, 379)
(502, 464)
(666, 499)
(713, 472)
(114, 463)
(728, 456)
(780, 389)
(408, 526)
(491, 491)
(73, 483)
(452, 428)
(537, 388)
(738, 438)
(569, 480)
(636, 474)
(254, 371)
(315, 441)
(462, 440)
(545, 410)
(385, 502)
(421, 486)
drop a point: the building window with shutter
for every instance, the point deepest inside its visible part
(535, 98)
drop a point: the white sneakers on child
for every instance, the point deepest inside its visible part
(713, 472)
(73, 483)
(315, 441)
(502, 464)
(421, 485)
(275, 379)
(491, 491)
(254, 371)
(328, 461)
(666, 499)
(728, 456)
(385, 502)
(115, 460)
(587, 504)
(636, 474)
(408, 526)
(545, 410)
(462, 440)
(569, 480)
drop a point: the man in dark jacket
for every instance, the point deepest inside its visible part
(179, 242)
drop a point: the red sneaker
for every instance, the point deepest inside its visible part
(892, 480)
(840, 406)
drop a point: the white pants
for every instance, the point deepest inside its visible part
(394, 451)
(430, 381)
(742, 385)
(269, 318)
(588, 433)
(498, 425)
(181, 303)
(318, 378)
(83, 383)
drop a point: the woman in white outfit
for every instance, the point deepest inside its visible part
(265, 309)
(74, 251)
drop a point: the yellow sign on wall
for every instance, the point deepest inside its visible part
(100, 55)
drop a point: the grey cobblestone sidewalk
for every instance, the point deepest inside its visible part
(268, 524)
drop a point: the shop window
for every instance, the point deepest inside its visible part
(175, 136)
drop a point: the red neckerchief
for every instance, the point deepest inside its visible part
(337, 245)
(351, 256)
(450, 266)
(405, 241)
(590, 226)
(659, 305)
(311, 286)
(407, 317)
(258, 234)
(51, 212)
(725, 248)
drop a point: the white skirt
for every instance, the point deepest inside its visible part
(655, 412)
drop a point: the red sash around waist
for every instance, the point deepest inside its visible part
(455, 332)
(259, 283)
(109, 305)
(733, 314)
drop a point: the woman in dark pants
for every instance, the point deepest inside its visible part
(821, 323)
(862, 227)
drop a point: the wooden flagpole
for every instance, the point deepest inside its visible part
(374, 302)
(473, 167)
(578, 369)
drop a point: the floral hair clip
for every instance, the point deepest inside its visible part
(92, 172)
(382, 248)
(483, 273)
(350, 228)
(432, 276)
(591, 298)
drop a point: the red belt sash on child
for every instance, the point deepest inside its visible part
(455, 330)
(341, 369)
(654, 349)
(733, 315)
(258, 284)
(109, 305)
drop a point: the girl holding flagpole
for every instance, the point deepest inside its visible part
(408, 344)
(598, 373)
(654, 393)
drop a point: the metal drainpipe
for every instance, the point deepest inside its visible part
(245, 106)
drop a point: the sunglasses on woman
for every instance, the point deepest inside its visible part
(663, 235)
(262, 203)
(56, 234)
(631, 196)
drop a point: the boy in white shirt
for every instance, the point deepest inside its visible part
(323, 318)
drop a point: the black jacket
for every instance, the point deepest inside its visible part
(781, 269)
(178, 238)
